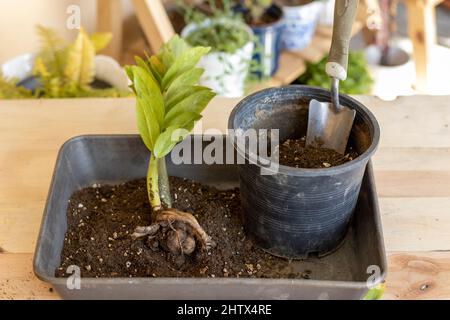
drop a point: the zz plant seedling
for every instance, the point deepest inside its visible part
(168, 103)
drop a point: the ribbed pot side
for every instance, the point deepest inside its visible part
(297, 212)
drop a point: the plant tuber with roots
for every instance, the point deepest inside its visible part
(168, 103)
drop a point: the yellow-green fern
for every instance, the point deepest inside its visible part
(64, 70)
(79, 70)
(10, 90)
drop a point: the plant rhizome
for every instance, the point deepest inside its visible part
(168, 103)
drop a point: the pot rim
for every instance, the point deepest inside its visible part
(296, 6)
(273, 25)
(291, 171)
(300, 6)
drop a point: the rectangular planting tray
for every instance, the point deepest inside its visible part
(112, 159)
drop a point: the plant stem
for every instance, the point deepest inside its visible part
(163, 183)
(158, 187)
(153, 185)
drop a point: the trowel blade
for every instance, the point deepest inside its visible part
(328, 128)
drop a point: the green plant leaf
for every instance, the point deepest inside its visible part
(186, 61)
(80, 67)
(177, 46)
(141, 121)
(129, 72)
(141, 63)
(196, 102)
(147, 124)
(146, 65)
(147, 88)
(157, 65)
(100, 40)
(188, 78)
(183, 120)
(182, 94)
(167, 140)
(375, 293)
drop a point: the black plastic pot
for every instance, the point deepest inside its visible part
(296, 212)
(111, 159)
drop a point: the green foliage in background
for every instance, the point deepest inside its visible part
(221, 36)
(226, 32)
(168, 103)
(64, 70)
(10, 90)
(358, 79)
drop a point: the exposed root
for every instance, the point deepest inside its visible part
(143, 231)
(178, 232)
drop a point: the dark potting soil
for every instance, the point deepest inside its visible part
(293, 153)
(102, 218)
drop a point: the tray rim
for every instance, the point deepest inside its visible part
(89, 281)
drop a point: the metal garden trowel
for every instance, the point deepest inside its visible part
(329, 124)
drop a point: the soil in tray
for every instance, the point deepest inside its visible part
(293, 153)
(102, 218)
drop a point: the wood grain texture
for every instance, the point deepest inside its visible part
(412, 171)
(416, 224)
(420, 275)
(423, 275)
(17, 280)
(422, 32)
(110, 19)
(154, 22)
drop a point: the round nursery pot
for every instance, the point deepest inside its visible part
(225, 73)
(268, 36)
(296, 212)
(301, 21)
(108, 72)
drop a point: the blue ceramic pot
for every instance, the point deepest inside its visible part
(267, 41)
(301, 24)
(268, 46)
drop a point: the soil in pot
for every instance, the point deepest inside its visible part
(294, 153)
(102, 218)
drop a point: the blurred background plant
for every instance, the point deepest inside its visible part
(63, 70)
(224, 34)
(358, 80)
(10, 90)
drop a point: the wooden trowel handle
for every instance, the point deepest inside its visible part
(344, 16)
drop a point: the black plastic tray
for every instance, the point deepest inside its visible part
(85, 160)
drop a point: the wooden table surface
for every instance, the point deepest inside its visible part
(412, 171)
